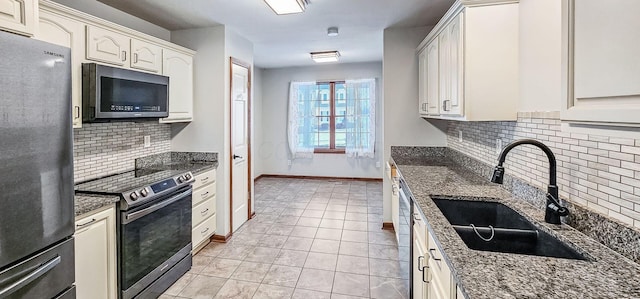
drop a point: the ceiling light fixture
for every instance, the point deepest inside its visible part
(283, 7)
(332, 31)
(326, 56)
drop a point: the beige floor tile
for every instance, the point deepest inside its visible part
(354, 236)
(308, 294)
(321, 261)
(354, 248)
(325, 246)
(388, 288)
(316, 280)
(332, 223)
(351, 284)
(221, 268)
(250, 271)
(353, 264)
(263, 255)
(236, 289)
(282, 276)
(308, 221)
(266, 291)
(202, 287)
(329, 233)
(292, 258)
(297, 243)
(304, 232)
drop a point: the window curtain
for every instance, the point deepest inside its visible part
(361, 117)
(301, 119)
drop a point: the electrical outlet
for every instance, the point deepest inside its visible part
(460, 136)
(289, 162)
(378, 164)
(498, 145)
(147, 140)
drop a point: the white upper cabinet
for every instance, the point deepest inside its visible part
(602, 62)
(472, 62)
(422, 85)
(107, 46)
(146, 56)
(433, 78)
(179, 68)
(66, 32)
(19, 16)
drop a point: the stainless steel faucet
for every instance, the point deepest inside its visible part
(553, 210)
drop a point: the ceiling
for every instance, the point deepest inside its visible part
(287, 40)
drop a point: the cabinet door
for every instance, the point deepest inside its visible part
(420, 287)
(146, 56)
(603, 65)
(179, 68)
(69, 33)
(454, 68)
(95, 254)
(450, 59)
(107, 46)
(433, 78)
(18, 16)
(422, 82)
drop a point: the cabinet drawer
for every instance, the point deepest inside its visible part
(441, 277)
(203, 231)
(203, 193)
(204, 178)
(203, 211)
(419, 226)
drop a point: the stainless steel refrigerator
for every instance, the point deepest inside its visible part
(36, 170)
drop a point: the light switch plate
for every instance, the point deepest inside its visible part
(147, 140)
(460, 136)
(498, 145)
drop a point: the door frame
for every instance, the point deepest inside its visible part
(241, 63)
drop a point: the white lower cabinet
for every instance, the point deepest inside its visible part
(204, 209)
(95, 254)
(420, 268)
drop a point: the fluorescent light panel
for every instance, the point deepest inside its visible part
(283, 7)
(328, 56)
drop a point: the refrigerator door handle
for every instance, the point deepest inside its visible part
(33, 275)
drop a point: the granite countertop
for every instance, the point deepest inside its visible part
(195, 167)
(483, 274)
(85, 203)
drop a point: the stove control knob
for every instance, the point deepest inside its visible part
(188, 176)
(180, 179)
(133, 196)
(144, 192)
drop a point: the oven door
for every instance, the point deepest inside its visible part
(153, 238)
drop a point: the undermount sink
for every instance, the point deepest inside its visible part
(492, 226)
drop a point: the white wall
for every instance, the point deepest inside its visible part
(273, 151)
(258, 132)
(402, 122)
(209, 131)
(540, 55)
(103, 11)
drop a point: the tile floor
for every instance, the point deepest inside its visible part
(310, 239)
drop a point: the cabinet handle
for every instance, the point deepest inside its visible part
(87, 223)
(425, 279)
(135, 57)
(205, 212)
(433, 255)
(420, 267)
(205, 231)
(124, 55)
(415, 217)
(77, 110)
(205, 179)
(205, 194)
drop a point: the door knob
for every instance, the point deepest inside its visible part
(236, 157)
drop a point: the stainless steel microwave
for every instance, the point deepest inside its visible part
(110, 93)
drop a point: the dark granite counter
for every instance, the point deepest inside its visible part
(187, 161)
(85, 203)
(483, 274)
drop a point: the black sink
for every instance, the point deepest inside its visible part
(510, 232)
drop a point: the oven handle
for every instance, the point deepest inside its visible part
(139, 214)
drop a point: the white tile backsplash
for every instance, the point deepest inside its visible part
(101, 149)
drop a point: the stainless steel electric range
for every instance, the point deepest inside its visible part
(154, 231)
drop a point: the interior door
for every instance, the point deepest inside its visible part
(239, 144)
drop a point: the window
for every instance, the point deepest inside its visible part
(332, 117)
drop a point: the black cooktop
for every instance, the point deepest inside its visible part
(119, 183)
